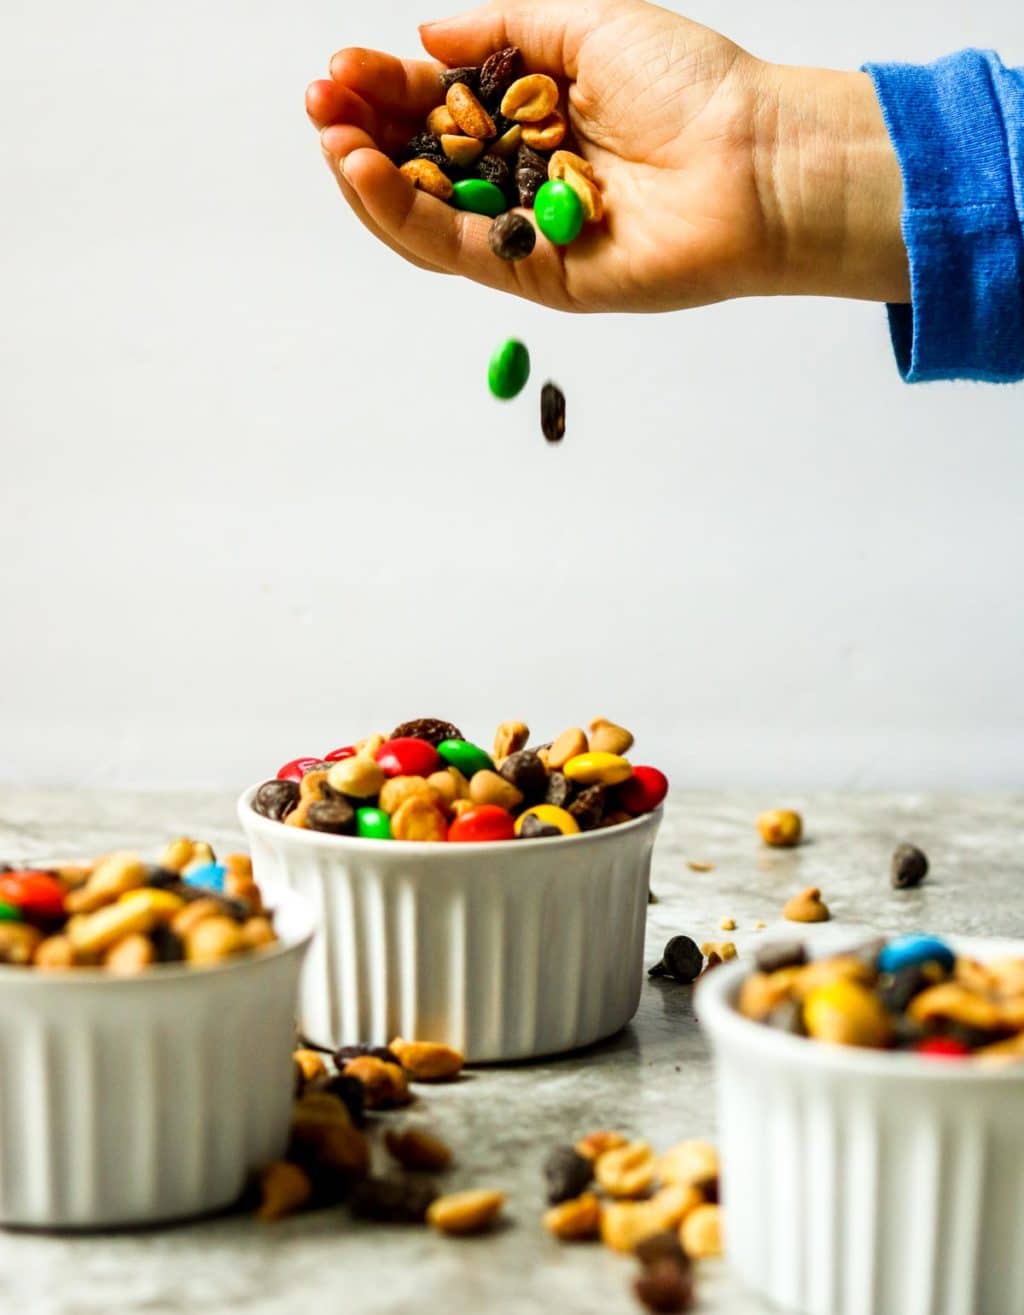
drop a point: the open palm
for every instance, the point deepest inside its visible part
(661, 107)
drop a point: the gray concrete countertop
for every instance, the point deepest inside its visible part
(653, 1080)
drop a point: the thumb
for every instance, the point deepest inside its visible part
(549, 33)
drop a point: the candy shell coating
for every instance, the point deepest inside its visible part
(559, 213)
(598, 768)
(644, 790)
(912, 951)
(9, 913)
(373, 824)
(33, 892)
(550, 815)
(468, 758)
(943, 1047)
(485, 823)
(296, 769)
(509, 370)
(210, 876)
(339, 755)
(481, 197)
(407, 756)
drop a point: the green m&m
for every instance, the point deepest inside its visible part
(506, 376)
(559, 213)
(373, 824)
(468, 758)
(9, 913)
(480, 196)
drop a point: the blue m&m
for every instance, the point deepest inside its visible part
(913, 952)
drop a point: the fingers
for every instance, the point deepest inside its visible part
(549, 33)
(328, 102)
(401, 88)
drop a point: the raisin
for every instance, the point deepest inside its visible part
(527, 773)
(158, 878)
(512, 237)
(532, 828)
(681, 959)
(393, 1200)
(567, 1174)
(498, 74)
(425, 146)
(588, 808)
(783, 954)
(560, 790)
(430, 729)
(909, 867)
(469, 76)
(276, 799)
(335, 816)
(552, 413)
(168, 944)
(493, 169)
(662, 1246)
(349, 1091)
(531, 175)
(346, 1054)
(665, 1286)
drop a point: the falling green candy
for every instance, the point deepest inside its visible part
(509, 370)
(559, 213)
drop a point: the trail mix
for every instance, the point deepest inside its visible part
(498, 141)
(911, 993)
(123, 914)
(427, 782)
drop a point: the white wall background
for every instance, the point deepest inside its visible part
(257, 501)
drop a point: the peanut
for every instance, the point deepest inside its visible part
(605, 736)
(690, 1164)
(384, 1085)
(359, 777)
(727, 924)
(111, 877)
(845, 968)
(311, 1064)
(319, 1109)
(75, 874)
(568, 745)
(311, 787)
(99, 931)
(284, 1188)
(417, 1149)
(780, 828)
(673, 1203)
(510, 737)
(763, 992)
(419, 819)
(134, 954)
(955, 1003)
(163, 904)
(530, 99)
(464, 1213)
(426, 1061)
(508, 143)
(461, 806)
(627, 1171)
(398, 789)
(176, 854)
(54, 953)
(368, 748)
(193, 914)
(449, 784)
(440, 122)
(546, 135)
(214, 939)
(239, 865)
(594, 1144)
(468, 113)
(723, 950)
(257, 932)
(576, 1220)
(462, 151)
(559, 162)
(624, 1224)
(327, 1132)
(808, 906)
(297, 817)
(239, 887)
(487, 787)
(701, 1233)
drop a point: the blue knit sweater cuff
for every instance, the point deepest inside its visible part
(958, 129)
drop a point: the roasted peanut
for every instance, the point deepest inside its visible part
(546, 135)
(298, 815)
(419, 819)
(176, 854)
(506, 146)
(384, 1085)
(690, 1164)
(359, 777)
(701, 1233)
(530, 99)
(605, 735)
(557, 165)
(954, 1003)
(568, 745)
(722, 950)
(461, 806)
(18, 942)
(326, 1130)
(673, 1203)
(624, 1224)
(763, 992)
(449, 785)
(463, 1213)
(395, 791)
(462, 151)
(319, 1109)
(368, 748)
(426, 1061)
(193, 914)
(163, 904)
(111, 877)
(284, 1188)
(239, 887)
(727, 924)
(416, 1149)
(780, 828)
(75, 874)
(440, 122)
(594, 1144)
(311, 1064)
(468, 113)
(510, 737)
(55, 953)
(133, 954)
(311, 787)
(100, 930)
(808, 906)
(627, 1171)
(576, 1220)
(214, 939)
(257, 932)
(239, 865)
(843, 968)
(488, 787)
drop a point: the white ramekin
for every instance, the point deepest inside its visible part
(860, 1182)
(505, 950)
(141, 1100)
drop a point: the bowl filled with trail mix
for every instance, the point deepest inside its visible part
(493, 899)
(146, 1030)
(871, 1111)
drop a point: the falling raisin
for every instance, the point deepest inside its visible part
(512, 236)
(431, 729)
(470, 77)
(531, 175)
(552, 413)
(498, 74)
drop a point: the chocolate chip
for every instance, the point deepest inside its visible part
(527, 773)
(896, 990)
(430, 729)
(168, 944)
(532, 828)
(158, 878)
(393, 1200)
(560, 791)
(665, 1287)
(909, 867)
(662, 1246)
(780, 954)
(276, 799)
(552, 413)
(588, 808)
(335, 816)
(682, 960)
(567, 1174)
(350, 1091)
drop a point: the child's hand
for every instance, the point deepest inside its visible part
(722, 176)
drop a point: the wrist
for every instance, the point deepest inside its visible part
(830, 186)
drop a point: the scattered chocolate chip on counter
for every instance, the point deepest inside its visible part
(909, 867)
(682, 960)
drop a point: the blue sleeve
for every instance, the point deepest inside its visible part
(958, 129)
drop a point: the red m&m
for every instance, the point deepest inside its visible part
(407, 756)
(487, 822)
(296, 769)
(644, 790)
(36, 894)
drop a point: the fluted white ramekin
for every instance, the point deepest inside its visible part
(141, 1100)
(504, 950)
(861, 1182)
